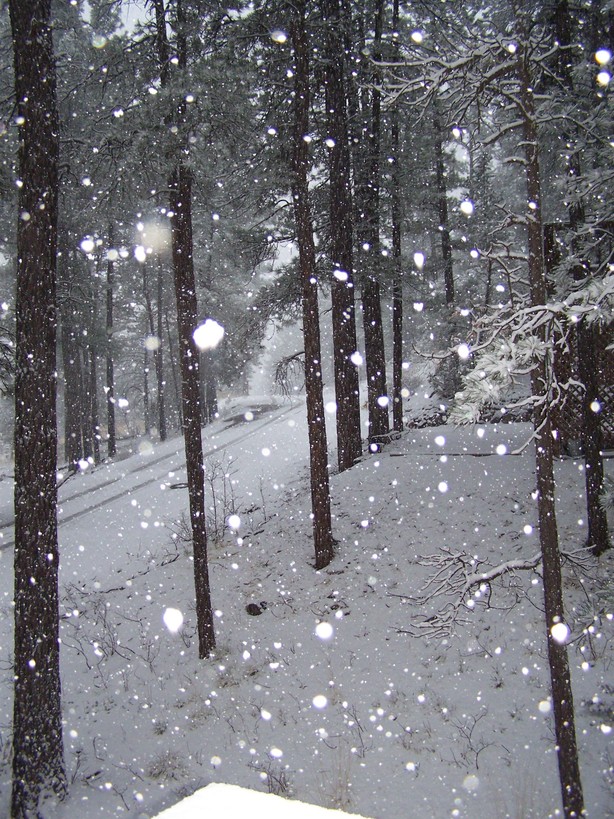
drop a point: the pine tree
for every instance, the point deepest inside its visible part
(349, 447)
(180, 206)
(38, 757)
(367, 157)
(316, 421)
(505, 65)
(587, 334)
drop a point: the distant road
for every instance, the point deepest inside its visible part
(261, 416)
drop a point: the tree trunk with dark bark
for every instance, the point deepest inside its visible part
(560, 678)
(185, 293)
(94, 404)
(84, 359)
(588, 357)
(110, 373)
(397, 220)
(176, 384)
(38, 756)
(93, 368)
(180, 204)
(154, 333)
(73, 387)
(367, 192)
(349, 442)
(316, 422)
(146, 408)
(450, 367)
(159, 354)
(442, 209)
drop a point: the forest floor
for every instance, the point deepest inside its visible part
(326, 695)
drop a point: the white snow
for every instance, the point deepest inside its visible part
(230, 800)
(324, 697)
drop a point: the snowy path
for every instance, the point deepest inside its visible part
(100, 488)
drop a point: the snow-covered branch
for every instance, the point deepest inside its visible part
(512, 342)
(463, 583)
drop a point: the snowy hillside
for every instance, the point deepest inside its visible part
(317, 690)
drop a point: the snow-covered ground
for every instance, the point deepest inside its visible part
(323, 696)
(219, 799)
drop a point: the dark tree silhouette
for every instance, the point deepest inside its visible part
(349, 446)
(320, 491)
(38, 760)
(180, 201)
(560, 677)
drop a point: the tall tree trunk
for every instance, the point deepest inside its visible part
(180, 202)
(153, 328)
(560, 679)
(94, 404)
(38, 756)
(86, 400)
(369, 251)
(73, 388)
(185, 293)
(442, 209)
(450, 367)
(349, 443)
(93, 367)
(176, 385)
(209, 386)
(587, 335)
(111, 429)
(158, 355)
(146, 407)
(397, 220)
(316, 421)
(598, 537)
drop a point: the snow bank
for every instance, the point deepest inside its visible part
(219, 799)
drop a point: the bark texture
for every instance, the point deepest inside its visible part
(587, 335)
(560, 678)
(367, 186)
(38, 762)
(397, 285)
(349, 443)
(180, 203)
(110, 371)
(318, 450)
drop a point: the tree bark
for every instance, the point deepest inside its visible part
(146, 409)
(176, 385)
(83, 357)
(38, 757)
(316, 422)
(450, 374)
(442, 206)
(180, 202)
(349, 443)
(397, 220)
(208, 386)
(598, 536)
(94, 404)
(588, 364)
(110, 374)
(73, 387)
(185, 293)
(93, 368)
(155, 329)
(159, 355)
(367, 188)
(560, 678)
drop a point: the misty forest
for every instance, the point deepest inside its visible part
(306, 408)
